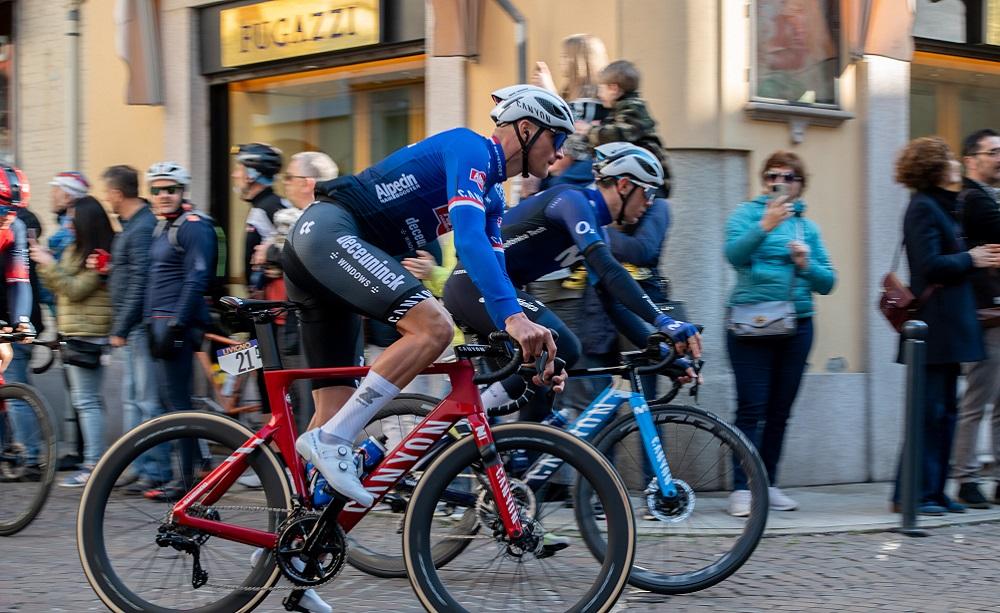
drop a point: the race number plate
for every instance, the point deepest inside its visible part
(239, 359)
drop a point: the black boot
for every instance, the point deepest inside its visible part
(970, 496)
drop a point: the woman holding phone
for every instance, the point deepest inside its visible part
(84, 319)
(779, 256)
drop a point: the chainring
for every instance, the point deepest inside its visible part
(291, 539)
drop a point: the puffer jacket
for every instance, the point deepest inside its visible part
(82, 297)
(764, 268)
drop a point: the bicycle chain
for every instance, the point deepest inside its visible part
(273, 588)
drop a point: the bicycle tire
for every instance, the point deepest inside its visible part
(47, 441)
(363, 553)
(660, 580)
(91, 542)
(608, 583)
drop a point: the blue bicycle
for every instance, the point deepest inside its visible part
(677, 461)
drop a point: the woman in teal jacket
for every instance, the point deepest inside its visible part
(778, 255)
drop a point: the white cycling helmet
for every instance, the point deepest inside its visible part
(616, 160)
(531, 102)
(168, 170)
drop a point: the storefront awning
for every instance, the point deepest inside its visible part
(138, 43)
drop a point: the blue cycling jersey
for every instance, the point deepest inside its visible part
(552, 230)
(449, 181)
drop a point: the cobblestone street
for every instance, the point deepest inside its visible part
(955, 569)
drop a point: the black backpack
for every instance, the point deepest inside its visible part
(219, 285)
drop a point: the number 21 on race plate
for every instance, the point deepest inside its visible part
(239, 359)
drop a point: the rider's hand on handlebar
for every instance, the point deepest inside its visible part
(685, 336)
(532, 338)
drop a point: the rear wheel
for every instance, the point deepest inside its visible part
(376, 542)
(27, 456)
(549, 568)
(120, 533)
(687, 542)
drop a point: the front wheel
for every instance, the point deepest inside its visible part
(120, 530)
(27, 456)
(550, 567)
(688, 541)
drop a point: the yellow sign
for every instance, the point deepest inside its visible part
(282, 29)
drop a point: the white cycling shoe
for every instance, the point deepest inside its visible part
(310, 601)
(336, 463)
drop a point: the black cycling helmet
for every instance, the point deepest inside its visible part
(261, 157)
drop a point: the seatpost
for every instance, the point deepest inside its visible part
(267, 342)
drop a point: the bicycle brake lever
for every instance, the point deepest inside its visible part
(697, 379)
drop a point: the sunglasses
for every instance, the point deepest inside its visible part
(993, 153)
(787, 177)
(647, 192)
(170, 189)
(558, 139)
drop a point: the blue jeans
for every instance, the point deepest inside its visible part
(25, 423)
(85, 390)
(768, 373)
(141, 401)
(175, 383)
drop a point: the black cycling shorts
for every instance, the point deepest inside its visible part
(466, 304)
(336, 276)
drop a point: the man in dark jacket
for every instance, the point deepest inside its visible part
(980, 215)
(182, 264)
(257, 164)
(127, 283)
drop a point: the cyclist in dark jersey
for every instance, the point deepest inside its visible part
(564, 225)
(339, 263)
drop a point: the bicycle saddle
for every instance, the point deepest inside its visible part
(247, 305)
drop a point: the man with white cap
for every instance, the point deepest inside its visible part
(67, 188)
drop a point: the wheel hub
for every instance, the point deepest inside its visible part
(671, 509)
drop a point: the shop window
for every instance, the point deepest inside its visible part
(952, 96)
(357, 114)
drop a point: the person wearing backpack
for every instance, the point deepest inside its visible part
(182, 269)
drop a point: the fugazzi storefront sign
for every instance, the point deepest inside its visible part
(282, 29)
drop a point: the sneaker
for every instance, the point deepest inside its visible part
(77, 479)
(141, 486)
(970, 496)
(126, 478)
(931, 508)
(779, 501)
(250, 480)
(336, 462)
(310, 602)
(170, 492)
(739, 503)
(551, 543)
(951, 506)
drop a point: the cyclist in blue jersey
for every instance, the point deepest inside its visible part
(339, 263)
(564, 225)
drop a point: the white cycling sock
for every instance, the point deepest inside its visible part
(373, 394)
(495, 395)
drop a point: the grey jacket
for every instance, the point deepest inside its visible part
(130, 270)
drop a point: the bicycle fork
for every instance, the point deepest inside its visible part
(651, 443)
(507, 506)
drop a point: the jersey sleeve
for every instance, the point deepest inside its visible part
(476, 221)
(198, 240)
(573, 211)
(17, 274)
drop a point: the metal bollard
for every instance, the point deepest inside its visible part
(915, 358)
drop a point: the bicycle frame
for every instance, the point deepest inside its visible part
(598, 414)
(464, 401)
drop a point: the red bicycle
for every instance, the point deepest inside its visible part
(203, 552)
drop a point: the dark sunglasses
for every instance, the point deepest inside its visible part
(170, 189)
(647, 192)
(558, 139)
(787, 177)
